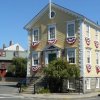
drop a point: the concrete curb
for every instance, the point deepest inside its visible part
(61, 96)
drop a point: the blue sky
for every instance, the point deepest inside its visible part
(15, 14)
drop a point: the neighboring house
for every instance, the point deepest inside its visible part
(66, 34)
(7, 54)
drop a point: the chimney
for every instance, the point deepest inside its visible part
(10, 43)
(4, 46)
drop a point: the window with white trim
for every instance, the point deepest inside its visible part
(88, 56)
(71, 55)
(71, 29)
(96, 36)
(87, 31)
(88, 82)
(97, 83)
(97, 58)
(70, 84)
(52, 32)
(35, 35)
(35, 59)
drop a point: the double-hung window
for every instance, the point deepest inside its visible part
(88, 57)
(97, 58)
(52, 32)
(71, 29)
(96, 36)
(71, 55)
(35, 35)
(88, 83)
(35, 60)
(97, 83)
(87, 31)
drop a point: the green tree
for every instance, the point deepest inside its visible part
(20, 66)
(57, 70)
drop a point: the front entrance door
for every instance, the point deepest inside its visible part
(51, 57)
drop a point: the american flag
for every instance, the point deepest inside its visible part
(36, 68)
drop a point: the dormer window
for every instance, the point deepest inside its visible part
(35, 35)
(52, 32)
(71, 29)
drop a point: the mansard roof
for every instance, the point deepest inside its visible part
(80, 17)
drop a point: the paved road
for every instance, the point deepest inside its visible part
(92, 98)
(8, 87)
(9, 91)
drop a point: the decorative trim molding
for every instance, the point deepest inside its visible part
(36, 68)
(88, 66)
(71, 40)
(96, 44)
(53, 41)
(34, 44)
(97, 69)
(87, 40)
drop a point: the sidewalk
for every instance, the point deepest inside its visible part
(62, 96)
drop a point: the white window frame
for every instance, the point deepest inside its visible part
(97, 58)
(96, 35)
(88, 50)
(68, 23)
(33, 34)
(97, 82)
(50, 26)
(33, 53)
(49, 52)
(88, 83)
(69, 49)
(88, 32)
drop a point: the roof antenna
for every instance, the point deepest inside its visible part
(50, 9)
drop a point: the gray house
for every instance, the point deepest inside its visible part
(7, 54)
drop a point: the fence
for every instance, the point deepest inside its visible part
(69, 85)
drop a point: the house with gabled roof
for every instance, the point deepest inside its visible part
(65, 33)
(8, 53)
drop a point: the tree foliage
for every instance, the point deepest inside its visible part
(57, 70)
(60, 68)
(20, 66)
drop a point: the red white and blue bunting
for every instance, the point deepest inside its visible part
(96, 44)
(88, 66)
(34, 44)
(97, 69)
(53, 41)
(87, 41)
(71, 40)
(36, 68)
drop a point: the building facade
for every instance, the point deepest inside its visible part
(65, 33)
(7, 54)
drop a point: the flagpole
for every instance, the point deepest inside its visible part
(50, 9)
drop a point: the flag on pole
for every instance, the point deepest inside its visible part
(50, 9)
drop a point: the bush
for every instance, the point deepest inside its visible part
(43, 90)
